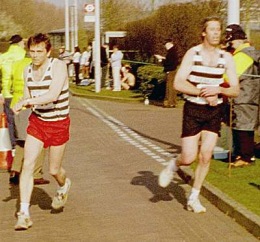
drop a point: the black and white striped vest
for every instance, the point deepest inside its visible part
(202, 76)
(53, 111)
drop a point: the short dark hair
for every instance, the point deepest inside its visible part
(208, 19)
(15, 39)
(168, 40)
(39, 38)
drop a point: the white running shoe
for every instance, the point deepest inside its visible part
(24, 222)
(60, 199)
(195, 206)
(167, 173)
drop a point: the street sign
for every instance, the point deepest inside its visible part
(89, 19)
(89, 13)
(89, 8)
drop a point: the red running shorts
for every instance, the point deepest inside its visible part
(51, 133)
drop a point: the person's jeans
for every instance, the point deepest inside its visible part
(10, 120)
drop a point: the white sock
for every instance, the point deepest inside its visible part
(172, 165)
(194, 194)
(24, 208)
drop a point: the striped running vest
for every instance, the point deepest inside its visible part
(53, 111)
(203, 76)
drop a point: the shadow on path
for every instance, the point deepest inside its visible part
(150, 181)
(39, 197)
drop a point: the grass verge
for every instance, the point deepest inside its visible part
(241, 184)
(123, 96)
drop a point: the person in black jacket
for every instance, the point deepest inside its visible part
(104, 63)
(170, 63)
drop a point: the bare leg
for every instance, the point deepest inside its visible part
(32, 149)
(208, 142)
(56, 170)
(188, 155)
(189, 150)
(55, 161)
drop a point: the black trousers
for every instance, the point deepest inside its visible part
(243, 144)
(77, 68)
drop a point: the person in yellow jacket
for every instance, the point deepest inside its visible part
(21, 122)
(246, 105)
(14, 53)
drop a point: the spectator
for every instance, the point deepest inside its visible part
(128, 80)
(76, 63)
(84, 63)
(170, 63)
(104, 63)
(246, 105)
(14, 53)
(21, 122)
(65, 56)
(116, 59)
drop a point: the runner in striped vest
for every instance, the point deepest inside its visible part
(199, 78)
(46, 93)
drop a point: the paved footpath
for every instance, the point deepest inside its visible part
(114, 156)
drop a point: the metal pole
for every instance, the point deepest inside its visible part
(72, 28)
(233, 18)
(67, 33)
(76, 21)
(233, 12)
(97, 47)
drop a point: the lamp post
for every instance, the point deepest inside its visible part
(67, 32)
(233, 12)
(97, 47)
(76, 21)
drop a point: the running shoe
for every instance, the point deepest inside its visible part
(60, 198)
(195, 206)
(24, 222)
(240, 163)
(165, 177)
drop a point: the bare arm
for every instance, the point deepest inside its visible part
(124, 78)
(59, 79)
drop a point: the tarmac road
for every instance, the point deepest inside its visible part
(113, 158)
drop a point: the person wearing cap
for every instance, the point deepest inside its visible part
(199, 77)
(246, 105)
(14, 53)
(170, 62)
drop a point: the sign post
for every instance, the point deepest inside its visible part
(93, 15)
(97, 46)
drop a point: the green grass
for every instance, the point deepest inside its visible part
(124, 95)
(241, 184)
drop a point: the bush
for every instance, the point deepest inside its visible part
(151, 78)
(148, 72)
